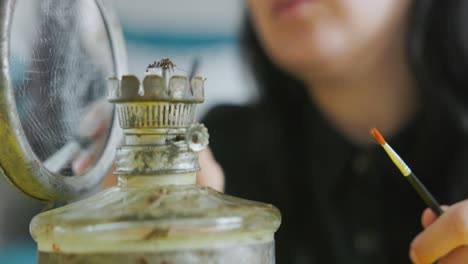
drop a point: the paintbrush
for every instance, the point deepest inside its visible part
(409, 175)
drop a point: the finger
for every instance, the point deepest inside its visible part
(97, 120)
(110, 180)
(84, 161)
(211, 173)
(88, 157)
(449, 232)
(429, 217)
(459, 255)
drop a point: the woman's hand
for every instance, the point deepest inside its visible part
(444, 238)
(95, 126)
(211, 173)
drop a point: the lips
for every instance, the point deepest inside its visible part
(282, 7)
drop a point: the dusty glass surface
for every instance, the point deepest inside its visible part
(176, 224)
(242, 254)
(59, 60)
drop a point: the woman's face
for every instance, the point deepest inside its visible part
(328, 36)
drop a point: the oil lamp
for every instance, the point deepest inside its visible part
(156, 213)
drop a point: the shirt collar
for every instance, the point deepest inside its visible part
(330, 153)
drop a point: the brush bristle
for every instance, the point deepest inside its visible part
(377, 136)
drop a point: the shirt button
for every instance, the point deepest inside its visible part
(303, 256)
(360, 164)
(367, 243)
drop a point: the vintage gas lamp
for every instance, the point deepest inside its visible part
(52, 90)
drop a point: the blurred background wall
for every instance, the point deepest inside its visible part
(178, 29)
(183, 29)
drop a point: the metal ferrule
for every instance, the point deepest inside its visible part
(155, 160)
(156, 88)
(158, 120)
(405, 170)
(141, 115)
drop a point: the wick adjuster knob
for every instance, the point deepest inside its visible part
(197, 137)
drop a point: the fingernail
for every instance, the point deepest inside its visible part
(414, 258)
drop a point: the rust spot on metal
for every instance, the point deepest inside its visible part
(55, 248)
(47, 229)
(142, 260)
(153, 198)
(156, 233)
(36, 164)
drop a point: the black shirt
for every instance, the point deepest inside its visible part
(340, 203)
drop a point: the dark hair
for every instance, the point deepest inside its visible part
(437, 53)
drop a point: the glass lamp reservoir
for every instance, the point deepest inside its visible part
(157, 213)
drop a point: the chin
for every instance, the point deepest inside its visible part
(301, 64)
(310, 55)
